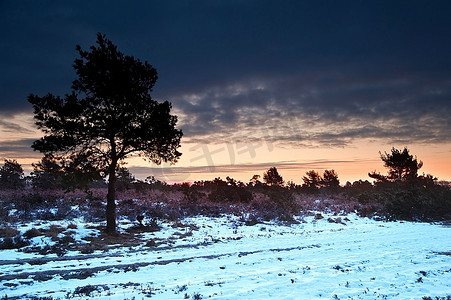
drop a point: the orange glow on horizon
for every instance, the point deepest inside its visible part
(241, 161)
(351, 163)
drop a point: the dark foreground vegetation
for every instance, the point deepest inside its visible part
(151, 226)
(52, 193)
(388, 201)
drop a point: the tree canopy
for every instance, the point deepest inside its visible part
(312, 180)
(272, 177)
(108, 116)
(330, 179)
(11, 175)
(401, 165)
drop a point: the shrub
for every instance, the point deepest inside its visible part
(8, 232)
(67, 239)
(403, 201)
(31, 233)
(283, 198)
(87, 290)
(87, 249)
(190, 193)
(13, 243)
(57, 249)
(228, 193)
(270, 206)
(11, 175)
(72, 226)
(54, 231)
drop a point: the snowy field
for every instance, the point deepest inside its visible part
(222, 258)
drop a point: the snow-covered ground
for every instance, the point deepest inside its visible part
(221, 258)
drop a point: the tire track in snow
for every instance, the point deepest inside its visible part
(82, 257)
(83, 273)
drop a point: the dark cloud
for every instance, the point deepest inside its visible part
(293, 72)
(7, 126)
(18, 149)
(335, 111)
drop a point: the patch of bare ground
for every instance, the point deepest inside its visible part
(106, 241)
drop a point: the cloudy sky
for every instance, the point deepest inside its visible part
(299, 85)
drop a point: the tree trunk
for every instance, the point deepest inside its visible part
(111, 200)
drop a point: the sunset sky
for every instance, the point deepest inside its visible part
(298, 85)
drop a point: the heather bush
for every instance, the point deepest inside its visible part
(58, 249)
(33, 204)
(16, 242)
(53, 231)
(282, 197)
(163, 211)
(357, 188)
(191, 194)
(274, 202)
(229, 193)
(72, 226)
(88, 290)
(417, 203)
(406, 201)
(263, 208)
(5, 217)
(93, 214)
(31, 233)
(244, 195)
(67, 239)
(392, 200)
(8, 232)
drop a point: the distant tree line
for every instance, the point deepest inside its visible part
(400, 194)
(50, 173)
